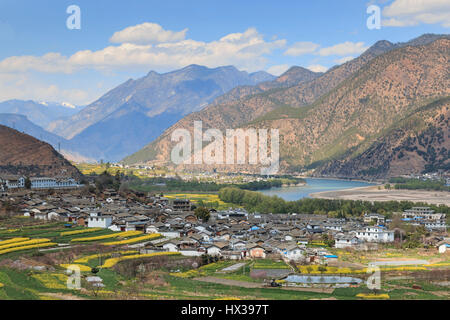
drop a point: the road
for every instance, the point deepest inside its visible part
(234, 267)
(399, 262)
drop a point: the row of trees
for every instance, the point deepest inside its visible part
(255, 201)
(156, 184)
(415, 184)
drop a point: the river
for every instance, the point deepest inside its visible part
(313, 185)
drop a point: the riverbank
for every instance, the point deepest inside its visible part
(345, 179)
(313, 185)
(372, 193)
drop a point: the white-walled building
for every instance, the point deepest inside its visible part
(191, 253)
(171, 234)
(53, 183)
(443, 246)
(11, 182)
(170, 246)
(375, 234)
(18, 182)
(97, 220)
(435, 224)
(346, 241)
(422, 213)
(294, 253)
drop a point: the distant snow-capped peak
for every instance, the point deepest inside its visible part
(68, 105)
(62, 104)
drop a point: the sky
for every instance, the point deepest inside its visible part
(42, 59)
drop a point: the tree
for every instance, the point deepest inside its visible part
(397, 222)
(328, 240)
(202, 213)
(28, 183)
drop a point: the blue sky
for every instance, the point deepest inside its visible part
(41, 59)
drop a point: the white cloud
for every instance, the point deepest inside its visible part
(317, 68)
(278, 70)
(49, 63)
(147, 33)
(301, 48)
(344, 49)
(340, 49)
(403, 13)
(24, 87)
(245, 50)
(344, 60)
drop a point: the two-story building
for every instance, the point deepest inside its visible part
(375, 234)
(99, 220)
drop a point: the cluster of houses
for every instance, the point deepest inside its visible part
(432, 176)
(16, 182)
(232, 234)
(425, 216)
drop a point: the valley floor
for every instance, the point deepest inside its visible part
(373, 193)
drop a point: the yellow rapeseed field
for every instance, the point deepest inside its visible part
(314, 269)
(68, 233)
(23, 243)
(111, 262)
(372, 296)
(133, 240)
(102, 255)
(52, 280)
(13, 240)
(34, 246)
(108, 236)
(83, 268)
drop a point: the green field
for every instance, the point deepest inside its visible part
(209, 200)
(176, 277)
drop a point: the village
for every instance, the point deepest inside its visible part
(231, 234)
(104, 230)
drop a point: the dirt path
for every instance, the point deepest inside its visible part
(62, 296)
(398, 262)
(319, 290)
(245, 284)
(233, 267)
(229, 282)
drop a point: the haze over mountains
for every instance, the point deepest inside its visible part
(341, 114)
(138, 111)
(129, 116)
(40, 113)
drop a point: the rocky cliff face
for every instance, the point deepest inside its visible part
(338, 115)
(294, 76)
(245, 104)
(419, 143)
(25, 155)
(361, 109)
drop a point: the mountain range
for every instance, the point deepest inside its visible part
(129, 116)
(381, 114)
(40, 113)
(331, 122)
(126, 118)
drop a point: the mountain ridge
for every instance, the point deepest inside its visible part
(256, 104)
(147, 106)
(23, 154)
(407, 76)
